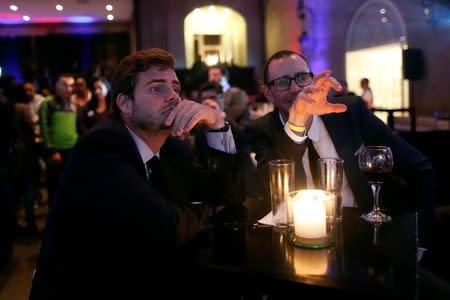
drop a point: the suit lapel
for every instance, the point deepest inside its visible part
(347, 141)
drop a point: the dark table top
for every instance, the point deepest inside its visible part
(364, 261)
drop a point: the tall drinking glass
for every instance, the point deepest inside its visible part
(331, 177)
(375, 162)
(281, 179)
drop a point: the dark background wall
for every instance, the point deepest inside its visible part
(41, 58)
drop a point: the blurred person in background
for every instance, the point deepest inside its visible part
(59, 130)
(215, 74)
(98, 108)
(34, 101)
(24, 159)
(46, 93)
(236, 106)
(81, 92)
(211, 93)
(367, 94)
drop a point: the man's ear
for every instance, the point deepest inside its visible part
(124, 103)
(267, 93)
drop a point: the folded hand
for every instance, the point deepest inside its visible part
(186, 114)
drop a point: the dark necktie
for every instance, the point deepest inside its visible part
(313, 157)
(156, 179)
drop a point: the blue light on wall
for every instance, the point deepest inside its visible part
(81, 19)
(13, 18)
(9, 59)
(314, 39)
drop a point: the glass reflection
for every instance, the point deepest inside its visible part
(310, 262)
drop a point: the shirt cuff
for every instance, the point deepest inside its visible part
(221, 141)
(294, 137)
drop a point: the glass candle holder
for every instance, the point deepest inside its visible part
(311, 218)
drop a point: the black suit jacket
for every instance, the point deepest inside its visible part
(410, 187)
(109, 233)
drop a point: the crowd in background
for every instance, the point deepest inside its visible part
(39, 129)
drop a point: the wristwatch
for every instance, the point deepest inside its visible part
(225, 128)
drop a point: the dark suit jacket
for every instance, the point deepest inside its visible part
(109, 233)
(348, 131)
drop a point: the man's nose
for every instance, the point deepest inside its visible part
(294, 88)
(174, 97)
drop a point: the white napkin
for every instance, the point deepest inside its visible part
(267, 219)
(280, 215)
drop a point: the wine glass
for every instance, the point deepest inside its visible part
(375, 162)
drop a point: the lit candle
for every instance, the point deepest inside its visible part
(310, 214)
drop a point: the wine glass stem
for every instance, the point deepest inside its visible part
(376, 192)
(375, 234)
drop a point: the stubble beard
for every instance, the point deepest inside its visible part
(142, 120)
(288, 101)
(145, 122)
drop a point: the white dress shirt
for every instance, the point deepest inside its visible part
(222, 141)
(144, 150)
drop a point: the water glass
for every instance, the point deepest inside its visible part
(331, 172)
(281, 180)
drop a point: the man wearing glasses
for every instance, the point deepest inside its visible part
(306, 125)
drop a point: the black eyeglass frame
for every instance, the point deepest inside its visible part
(310, 74)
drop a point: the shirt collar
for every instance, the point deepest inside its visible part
(314, 129)
(143, 148)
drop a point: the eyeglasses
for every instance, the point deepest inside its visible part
(283, 83)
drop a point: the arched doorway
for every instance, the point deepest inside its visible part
(217, 34)
(375, 40)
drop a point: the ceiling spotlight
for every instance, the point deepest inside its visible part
(26, 18)
(109, 7)
(382, 11)
(384, 19)
(110, 17)
(13, 7)
(59, 7)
